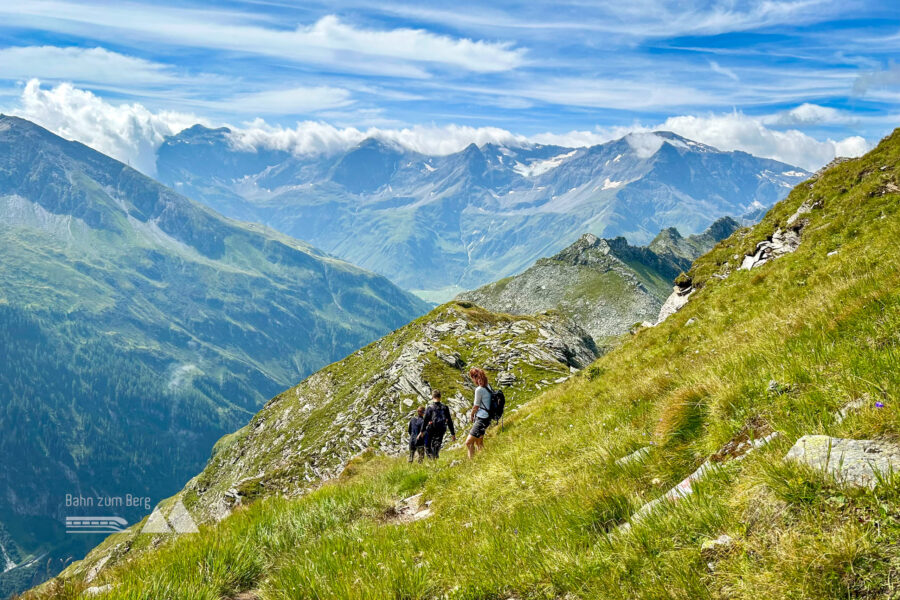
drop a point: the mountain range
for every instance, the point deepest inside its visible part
(443, 224)
(136, 327)
(746, 446)
(604, 285)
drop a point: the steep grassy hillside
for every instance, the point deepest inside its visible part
(807, 343)
(606, 286)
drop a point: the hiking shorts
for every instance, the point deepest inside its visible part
(479, 427)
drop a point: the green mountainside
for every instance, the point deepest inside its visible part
(692, 461)
(137, 327)
(605, 286)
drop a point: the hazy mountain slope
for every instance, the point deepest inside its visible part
(806, 343)
(138, 326)
(605, 286)
(465, 219)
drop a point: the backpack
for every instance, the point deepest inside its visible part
(498, 403)
(439, 417)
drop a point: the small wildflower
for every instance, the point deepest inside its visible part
(879, 405)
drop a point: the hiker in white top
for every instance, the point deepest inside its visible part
(480, 415)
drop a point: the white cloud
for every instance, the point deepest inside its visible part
(878, 79)
(292, 101)
(606, 93)
(717, 68)
(96, 65)
(327, 41)
(312, 137)
(132, 133)
(127, 132)
(644, 145)
(736, 131)
(807, 114)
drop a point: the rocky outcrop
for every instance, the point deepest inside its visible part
(676, 300)
(605, 285)
(783, 241)
(859, 463)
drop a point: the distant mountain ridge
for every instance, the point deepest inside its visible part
(454, 222)
(604, 285)
(137, 326)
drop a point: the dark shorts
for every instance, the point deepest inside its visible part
(479, 427)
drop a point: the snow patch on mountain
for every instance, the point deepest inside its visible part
(539, 167)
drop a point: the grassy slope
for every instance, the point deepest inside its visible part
(309, 432)
(534, 516)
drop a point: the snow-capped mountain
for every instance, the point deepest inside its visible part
(460, 220)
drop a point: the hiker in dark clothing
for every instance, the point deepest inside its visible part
(417, 435)
(437, 422)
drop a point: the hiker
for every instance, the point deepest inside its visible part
(481, 411)
(417, 435)
(437, 421)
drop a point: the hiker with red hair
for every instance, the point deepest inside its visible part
(480, 415)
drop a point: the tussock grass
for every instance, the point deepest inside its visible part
(537, 515)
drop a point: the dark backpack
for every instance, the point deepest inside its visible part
(439, 417)
(498, 403)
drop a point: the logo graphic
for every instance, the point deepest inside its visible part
(179, 521)
(95, 524)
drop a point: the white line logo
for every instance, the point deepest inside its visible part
(95, 524)
(179, 521)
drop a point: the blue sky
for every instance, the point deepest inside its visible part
(796, 80)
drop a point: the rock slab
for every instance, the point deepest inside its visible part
(858, 463)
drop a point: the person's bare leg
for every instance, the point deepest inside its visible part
(479, 444)
(470, 445)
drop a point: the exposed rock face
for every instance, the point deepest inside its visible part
(853, 462)
(676, 300)
(783, 241)
(605, 285)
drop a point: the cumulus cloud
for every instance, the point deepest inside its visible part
(132, 133)
(807, 114)
(736, 131)
(127, 132)
(314, 137)
(644, 145)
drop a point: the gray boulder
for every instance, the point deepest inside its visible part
(853, 462)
